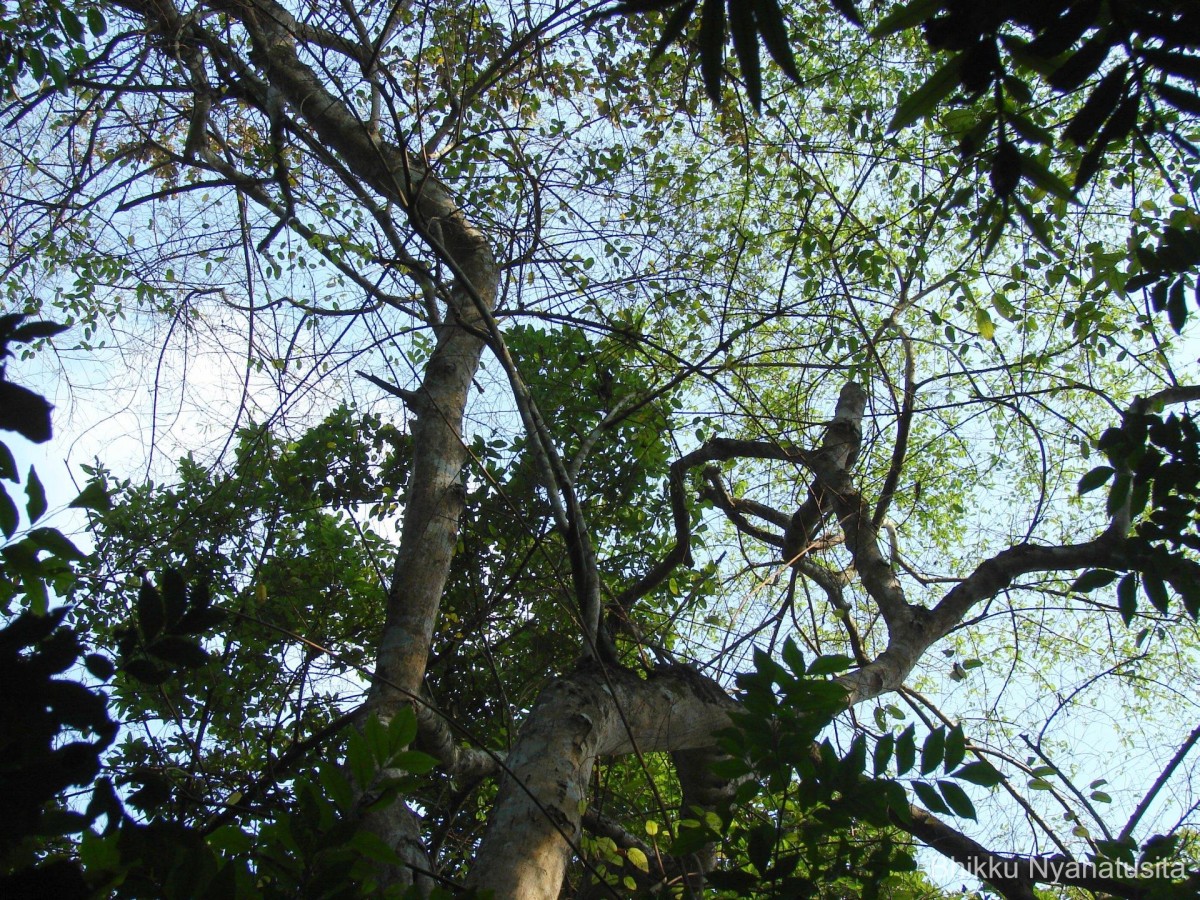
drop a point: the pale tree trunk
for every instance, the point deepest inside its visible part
(535, 827)
(436, 493)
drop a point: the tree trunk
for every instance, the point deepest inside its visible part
(535, 826)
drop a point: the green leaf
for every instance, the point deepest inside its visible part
(984, 324)
(1156, 592)
(8, 465)
(71, 24)
(828, 664)
(957, 799)
(360, 759)
(930, 798)
(9, 517)
(1093, 579)
(906, 750)
(907, 16)
(182, 652)
(96, 24)
(979, 772)
(337, 788)
(712, 47)
(638, 859)
(956, 748)
(745, 45)
(933, 751)
(1127, 597)
(413, 761)
(923, 100)
(883, 754)
(1004, 307)
(1033, 169)
(402, 729)
(35, 507)
(52, 540)
(375, 848)
(761, 846)
(1095, 478)
(94, 496)
(689, 838)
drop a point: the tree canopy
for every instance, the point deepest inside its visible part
(573, 460)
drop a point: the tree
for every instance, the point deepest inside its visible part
(599, 458)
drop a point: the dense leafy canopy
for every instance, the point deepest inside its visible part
(508, 377)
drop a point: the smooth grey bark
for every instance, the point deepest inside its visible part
(535, 826)
(274, 74)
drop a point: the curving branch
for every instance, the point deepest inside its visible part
(539, 810)
(839, 450)
(1013, 876)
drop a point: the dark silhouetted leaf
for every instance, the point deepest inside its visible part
(1177, 306)
(180, 651)
(94, 496)
(1127, 597)
(906, 750)
(101, 667)
(773, 28)
(1095, 478)
(1156, 592)
(979, 772)
(35, 506)
(1095, 578)
(712, 47)
(1006, 169)
(957, 799)
(923, 100)
(1082, 64)
(1184, 101)
(933, 751)
(36, 330)
(146, 671)
(956, 748)
(883, 754)
(52, 539)
(929, 797)
(827, 665)
(150, 611)
(23, 411)
(744, 32)
(909, 15)
(1099, 106)
(174, 595)
(8, 465)
(674, 27)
